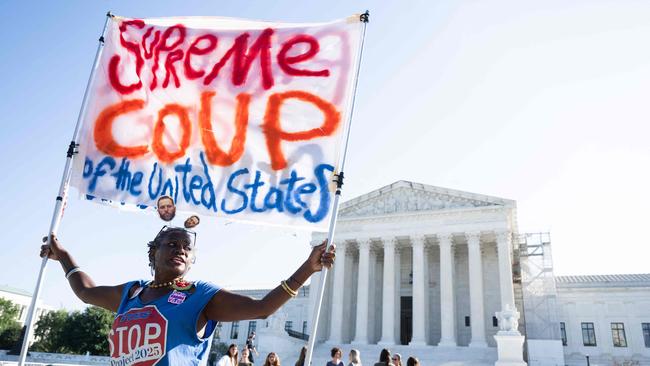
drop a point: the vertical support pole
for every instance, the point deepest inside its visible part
(61, 198)
(335, 205)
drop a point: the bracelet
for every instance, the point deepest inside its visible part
(288, 289)
(72, 271)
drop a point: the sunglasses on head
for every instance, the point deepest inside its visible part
(167, 228)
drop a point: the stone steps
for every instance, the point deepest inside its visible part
(428, 355)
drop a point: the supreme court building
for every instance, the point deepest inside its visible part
(424, 258)
(426, 271)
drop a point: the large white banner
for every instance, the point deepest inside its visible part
(230, 117)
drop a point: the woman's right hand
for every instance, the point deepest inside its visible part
(52, 249)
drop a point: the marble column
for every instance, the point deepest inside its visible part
(336, 321)
(389, 294)
(361, 332)
(419, 293)
(505, 269)
(447, 311)
(398, 291)
(477, 312)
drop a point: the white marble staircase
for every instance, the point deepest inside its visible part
(428, 355)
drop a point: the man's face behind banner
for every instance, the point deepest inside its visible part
(166, 209)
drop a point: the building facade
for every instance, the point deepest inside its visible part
(605, 317)
(419, 265)
(426, 271)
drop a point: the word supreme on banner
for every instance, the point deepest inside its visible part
(230, 117)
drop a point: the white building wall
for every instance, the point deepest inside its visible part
(603, 304)
(295, 310)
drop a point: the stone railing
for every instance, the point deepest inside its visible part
(42, 358)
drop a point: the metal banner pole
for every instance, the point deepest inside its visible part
(61, 197)
(365, 17)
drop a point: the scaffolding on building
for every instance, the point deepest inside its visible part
(537, 295)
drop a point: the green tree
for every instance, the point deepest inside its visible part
(8, 314)
(50, 333)
(9, 336)
(75, 332)
(87, 331)
(9, 326)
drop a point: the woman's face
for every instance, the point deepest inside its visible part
(272, 358)
(232, 351)
(337, 355)
(244, 353)
(395, 360)
(175, 254)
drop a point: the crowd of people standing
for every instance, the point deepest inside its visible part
(386, 358)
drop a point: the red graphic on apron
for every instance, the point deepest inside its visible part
(138, 337)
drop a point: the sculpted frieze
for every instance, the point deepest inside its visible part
(406, 199)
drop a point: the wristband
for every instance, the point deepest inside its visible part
(72, 271)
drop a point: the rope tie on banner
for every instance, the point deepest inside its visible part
(365, 17)
(110, 15)
(339, 182)
(72, 149)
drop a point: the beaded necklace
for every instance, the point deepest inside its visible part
(177, 284)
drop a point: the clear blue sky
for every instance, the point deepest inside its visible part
(545, 103)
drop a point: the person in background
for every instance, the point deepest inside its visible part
(397, 359)
(336, 354)
(230, 358)
(355, 358)
(244, 360)
(272, 359)
(384, 358)
(250, 344)
(412, 361)
(301, 358)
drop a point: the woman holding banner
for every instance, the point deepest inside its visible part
(169, 321)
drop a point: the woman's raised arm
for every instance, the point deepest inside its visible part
(227, 306)
(107, 297)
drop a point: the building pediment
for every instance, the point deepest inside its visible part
(404, 197)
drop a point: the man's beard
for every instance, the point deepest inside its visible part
(168, 216)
